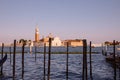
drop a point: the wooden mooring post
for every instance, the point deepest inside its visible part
(67, 61)
(119, 68)
(35, 52)
(90, 61)
(14, 59)
(84, 73)
(44, 60)
(102, 49)
(114, 60)
(10, 54)
(2, 58)
(49, 58)
(23, 47)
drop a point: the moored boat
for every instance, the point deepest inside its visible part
(3, 60)
(110, 59)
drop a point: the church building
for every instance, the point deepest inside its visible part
(37, 35)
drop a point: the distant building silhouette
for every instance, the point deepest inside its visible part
(55, 41)
(73, 42)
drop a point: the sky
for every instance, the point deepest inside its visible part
(94, 20)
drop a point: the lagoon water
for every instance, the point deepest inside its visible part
(33, 70)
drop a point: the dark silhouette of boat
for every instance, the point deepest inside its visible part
(3, 60)
(110, 59)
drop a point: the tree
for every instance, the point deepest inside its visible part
(22, 41)
(107, 43)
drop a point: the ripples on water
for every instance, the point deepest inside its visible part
(34, 70)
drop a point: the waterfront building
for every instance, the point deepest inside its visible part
(56, 41)
(73, 42)
(44, 40)
(96, 45)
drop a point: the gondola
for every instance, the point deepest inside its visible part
(3, 60)
(110, 59)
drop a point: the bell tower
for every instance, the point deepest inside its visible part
(37, 34)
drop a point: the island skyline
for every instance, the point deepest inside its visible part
(96, 21)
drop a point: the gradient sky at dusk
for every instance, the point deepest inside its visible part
(95, 20)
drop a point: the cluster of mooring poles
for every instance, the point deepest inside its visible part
(116, 59)
(84, 72)
(84, 66)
